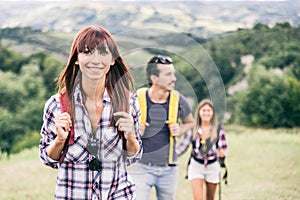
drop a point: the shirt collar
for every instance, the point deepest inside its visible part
(106, 97)
(78, 95)
(199, 130)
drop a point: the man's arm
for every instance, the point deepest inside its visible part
(187, 124)
(180, 129)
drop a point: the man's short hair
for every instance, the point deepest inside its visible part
(152, 66)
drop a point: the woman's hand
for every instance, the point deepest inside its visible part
(63, 124)
(220, 153)
(125, 124)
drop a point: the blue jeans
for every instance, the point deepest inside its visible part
(163, 178)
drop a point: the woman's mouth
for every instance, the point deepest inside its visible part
(95, 69)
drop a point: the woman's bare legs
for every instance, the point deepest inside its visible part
(197, 188)
(210, 190)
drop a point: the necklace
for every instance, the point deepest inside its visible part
(203, 144)
(203, 141)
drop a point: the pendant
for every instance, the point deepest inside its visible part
(204, 147)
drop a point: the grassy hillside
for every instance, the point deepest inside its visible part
(263, 164)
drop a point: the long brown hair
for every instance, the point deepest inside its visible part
(118, 80)
(213, 122)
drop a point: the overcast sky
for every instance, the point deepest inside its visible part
(153, 0)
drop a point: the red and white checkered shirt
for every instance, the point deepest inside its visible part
(75, 180)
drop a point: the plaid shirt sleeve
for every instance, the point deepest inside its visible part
(222, 143)
(184, 143)
(136, 114)
(48, 131)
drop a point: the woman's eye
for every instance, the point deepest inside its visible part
(103, 52)
(88, 52)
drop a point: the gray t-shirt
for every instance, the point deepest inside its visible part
(156, 138)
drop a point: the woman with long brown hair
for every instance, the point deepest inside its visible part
(209, 145)
(104, 118)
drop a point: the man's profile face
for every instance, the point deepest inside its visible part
(166, 78)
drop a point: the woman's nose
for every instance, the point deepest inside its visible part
(96, 57)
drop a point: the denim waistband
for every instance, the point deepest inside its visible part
(157, 165)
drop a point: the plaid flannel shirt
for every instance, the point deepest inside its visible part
(75, 180)
(187, 139)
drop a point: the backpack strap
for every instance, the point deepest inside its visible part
(172, 118)
(172, 114)
(218, 135)
(141, 93)
(66, 107)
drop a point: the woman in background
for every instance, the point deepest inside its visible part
(209, 145)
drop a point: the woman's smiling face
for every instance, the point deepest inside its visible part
(206, 113)
(95, 63)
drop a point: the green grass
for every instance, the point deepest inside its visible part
(262, 164)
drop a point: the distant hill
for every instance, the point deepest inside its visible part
(199, 18)
(261, 65)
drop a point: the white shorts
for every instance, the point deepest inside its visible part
(210, 173)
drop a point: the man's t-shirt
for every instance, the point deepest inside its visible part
(156, 138)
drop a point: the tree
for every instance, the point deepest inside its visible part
(21, 105)
(294, 98)
(266, 101)
(10, 129)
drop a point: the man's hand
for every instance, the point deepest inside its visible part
(174, 129)
(143, 127)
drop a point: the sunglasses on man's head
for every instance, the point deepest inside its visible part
(161, 59)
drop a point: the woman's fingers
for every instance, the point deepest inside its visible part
(63, 124)
(124, 122)
(122, 117)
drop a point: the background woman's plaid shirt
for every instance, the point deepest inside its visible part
(75, 180)
(187, 139)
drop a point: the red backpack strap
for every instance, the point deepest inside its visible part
(66, 107)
